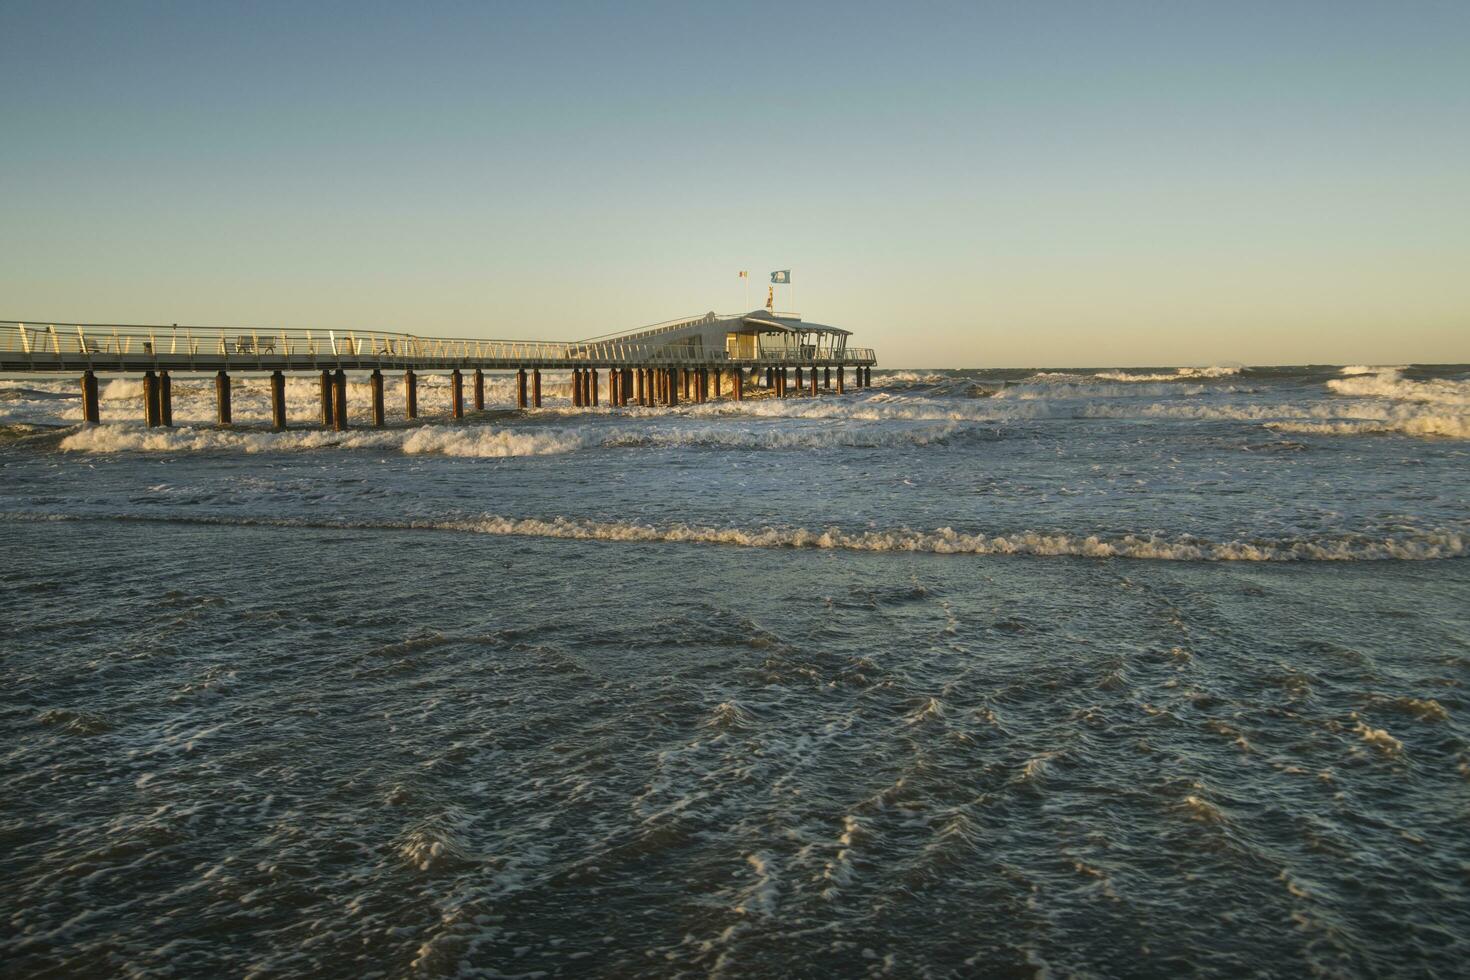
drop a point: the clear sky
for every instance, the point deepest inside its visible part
(967, 184)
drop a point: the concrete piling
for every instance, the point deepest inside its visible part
(827, 378)
(592, 385)
(150, 399)
(326, 398)
(376, 381)
(410, 395)
(222, 397)
(841, 372)
(813, 382)
(673, 387)
(798, 379)
(480, 390)
(165, 400)
(278, 401)
(339, 403)
(521, 388)
(535, 387)
(456, 394)
(91, 409)
(739, 385)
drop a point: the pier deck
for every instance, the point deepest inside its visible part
(649, 366)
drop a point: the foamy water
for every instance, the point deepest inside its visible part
(1147, 671)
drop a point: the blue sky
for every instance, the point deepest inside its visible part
(977, 184)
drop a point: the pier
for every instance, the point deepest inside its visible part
(695, 359)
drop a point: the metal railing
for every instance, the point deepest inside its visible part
(40, 347)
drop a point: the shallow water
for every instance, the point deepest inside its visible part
(990, 673)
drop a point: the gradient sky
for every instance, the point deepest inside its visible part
(971, 184)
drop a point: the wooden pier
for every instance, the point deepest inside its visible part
(694, 358)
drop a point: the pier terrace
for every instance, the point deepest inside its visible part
(688, 358)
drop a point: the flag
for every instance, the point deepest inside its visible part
(744, 274)
(781, 278)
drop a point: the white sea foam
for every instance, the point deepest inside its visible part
(496, 441)
(1178, 374)
(1391, 384)
(1346, 547)
(1453, 425)
(1426, 545)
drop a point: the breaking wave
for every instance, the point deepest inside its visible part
(1390, 383)
(1426, 545)
(489, 441)
(1444, 424)
(1178, 374)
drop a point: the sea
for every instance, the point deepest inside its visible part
(1138, 672)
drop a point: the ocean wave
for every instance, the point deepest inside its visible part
(493, 441)
(1178, 374)
(1390, 383)
(1352, 369)
(1427, 545)
(1445, 424)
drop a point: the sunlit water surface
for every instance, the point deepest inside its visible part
(973, 673)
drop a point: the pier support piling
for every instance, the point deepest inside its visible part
(326, 398)
(376, 381)
(521, 388)
(410, 395)
(456, 394)
(278, 401)
(592, 385)
(841, 372)
(813, 383)
(165, 400)
(535, 387)
(739, 385)
(480, 390)
(222, 397)
(150, 399)
(91, 410)
(339, 401)
(673, 387)
(827, 378)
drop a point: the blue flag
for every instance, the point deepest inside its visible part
(781, 278)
